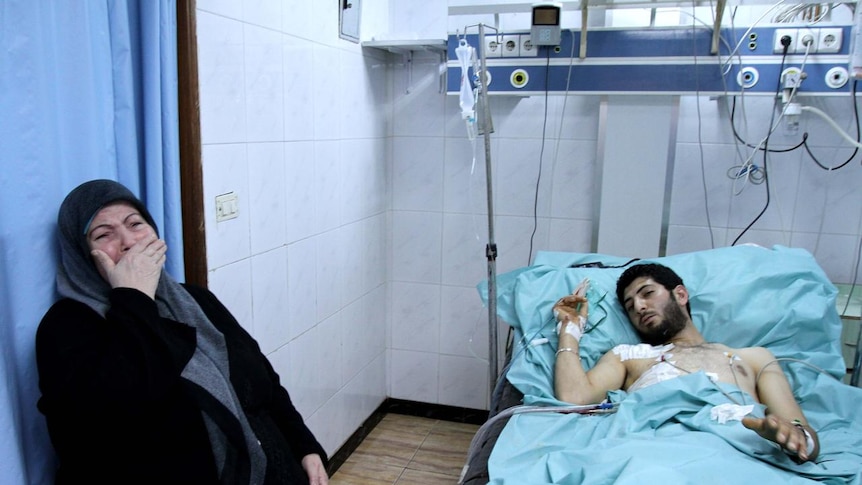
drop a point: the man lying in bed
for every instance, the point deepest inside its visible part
(657, 305)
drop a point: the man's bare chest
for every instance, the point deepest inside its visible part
(716, 360)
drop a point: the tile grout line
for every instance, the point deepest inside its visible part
(407, 466)
(424, 439)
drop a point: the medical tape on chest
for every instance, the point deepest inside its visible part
(641, 351)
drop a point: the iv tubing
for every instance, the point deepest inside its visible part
(479, 437)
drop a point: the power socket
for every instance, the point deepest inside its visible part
(777, 48)
(528, 49)
(511, 46)
(829, 41)
(493, 46)
(807, 40)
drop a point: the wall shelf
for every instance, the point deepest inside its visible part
(406, 46)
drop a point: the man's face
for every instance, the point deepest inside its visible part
(653, 311)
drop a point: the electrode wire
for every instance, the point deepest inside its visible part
(791, 359)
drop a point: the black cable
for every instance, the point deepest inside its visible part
(599, 264)
(738, 137)
(766, 141)
(541, 156)
(858, 137)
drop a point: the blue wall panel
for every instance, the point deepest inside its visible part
(661, 60)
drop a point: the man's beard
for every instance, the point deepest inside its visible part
(673, 321)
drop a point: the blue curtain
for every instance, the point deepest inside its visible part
(88, 89)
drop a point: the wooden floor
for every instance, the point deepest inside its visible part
(408, 450)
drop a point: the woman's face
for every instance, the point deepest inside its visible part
(116, 228)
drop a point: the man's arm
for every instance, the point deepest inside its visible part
(571, 382)
(782, 409)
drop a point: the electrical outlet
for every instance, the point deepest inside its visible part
(528, 49)
(493, 46)
(829, 41)
(511, 45)
(777, 48)
(807, 40)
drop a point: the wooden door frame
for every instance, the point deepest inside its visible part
(191, 166)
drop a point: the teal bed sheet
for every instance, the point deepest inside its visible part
(778, 298)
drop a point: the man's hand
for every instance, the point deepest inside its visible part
(139, 268)
(571, 310)
(783, 432)
(313, 466)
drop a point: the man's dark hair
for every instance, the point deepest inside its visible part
(659, 273)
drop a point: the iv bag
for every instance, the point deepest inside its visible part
(465, 53)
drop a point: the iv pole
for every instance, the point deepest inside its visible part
(491, 247)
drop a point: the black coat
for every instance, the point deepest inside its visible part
(118, 411)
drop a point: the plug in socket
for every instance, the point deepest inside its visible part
(777, 48)
(807, 39)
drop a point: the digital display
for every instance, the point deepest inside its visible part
(546, 16)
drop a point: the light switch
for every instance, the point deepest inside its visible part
(227, 206)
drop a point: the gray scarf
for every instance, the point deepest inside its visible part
(78, 279)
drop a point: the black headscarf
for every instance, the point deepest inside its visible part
(77, 276)
(78, 279)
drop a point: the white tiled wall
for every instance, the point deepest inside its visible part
(363, 214)
(294, 120)
(810, 208)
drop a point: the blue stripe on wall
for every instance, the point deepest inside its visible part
(655, 60)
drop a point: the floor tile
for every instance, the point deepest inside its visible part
(407, 450)
(417, 477)
(449, 462)
(363, 473)
(406, 424)
(389, 445)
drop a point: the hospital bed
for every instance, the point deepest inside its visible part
(778, 298)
